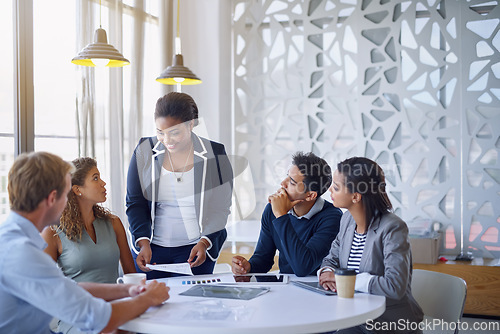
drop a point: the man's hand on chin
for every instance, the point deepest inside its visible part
(280, 203)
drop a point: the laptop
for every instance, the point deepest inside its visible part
(314, 286)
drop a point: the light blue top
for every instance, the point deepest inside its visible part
(317, 207)
(33, 289)
(86, 261)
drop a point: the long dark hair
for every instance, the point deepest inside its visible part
(71, 222)
(180, 106)
(364, 176)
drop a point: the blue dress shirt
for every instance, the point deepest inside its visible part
(33, 289)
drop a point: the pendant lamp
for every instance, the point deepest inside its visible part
(177, 73)
(100, 53)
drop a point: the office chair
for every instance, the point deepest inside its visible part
(440, 296)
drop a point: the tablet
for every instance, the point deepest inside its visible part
(314, 286)
(261, 279)
(224, 291)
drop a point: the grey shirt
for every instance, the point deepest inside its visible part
(86, 261)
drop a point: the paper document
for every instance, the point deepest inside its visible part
(178, 268)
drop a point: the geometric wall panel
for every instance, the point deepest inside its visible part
(480, 106)
(414, 85)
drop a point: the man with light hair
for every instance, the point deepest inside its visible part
(33, 289)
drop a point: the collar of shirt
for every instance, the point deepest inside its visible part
(29, 229)
(318, 205)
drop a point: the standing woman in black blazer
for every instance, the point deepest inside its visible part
(179, 189)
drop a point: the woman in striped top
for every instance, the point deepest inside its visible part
(357, 247)
(373, 241)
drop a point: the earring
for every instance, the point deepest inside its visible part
(80, 194)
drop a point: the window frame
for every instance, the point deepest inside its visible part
(24, 110)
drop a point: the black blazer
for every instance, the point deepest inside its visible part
(213, 184)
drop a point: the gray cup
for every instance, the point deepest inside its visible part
(345, 280)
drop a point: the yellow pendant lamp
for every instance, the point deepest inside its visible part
(100, 53)
(177, 73)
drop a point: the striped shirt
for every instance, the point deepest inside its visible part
(357, 247)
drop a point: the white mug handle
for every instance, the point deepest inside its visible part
(119, 280)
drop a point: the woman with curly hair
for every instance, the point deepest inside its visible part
(89, 242)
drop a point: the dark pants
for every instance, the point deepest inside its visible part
(361, 329)
(166, 255)
(355, 330)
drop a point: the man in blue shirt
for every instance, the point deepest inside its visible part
(33, 289)
(297, 222)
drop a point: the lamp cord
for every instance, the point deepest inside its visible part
(100, 9)
(177, 22)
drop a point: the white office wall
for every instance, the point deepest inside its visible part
(410, 84)
(205, 29)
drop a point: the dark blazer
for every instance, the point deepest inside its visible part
(387, 256)
(213, 182)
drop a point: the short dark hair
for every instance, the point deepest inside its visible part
(366, 177)
(180, 106)
(316, 171)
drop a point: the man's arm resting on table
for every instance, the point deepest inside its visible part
(124, 310)
(108, 292)
(262, 259)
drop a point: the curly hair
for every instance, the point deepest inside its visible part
(71, 222)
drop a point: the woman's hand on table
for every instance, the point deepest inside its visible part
(327, 280)
(144, 256)
(240, 265)
(198, 252)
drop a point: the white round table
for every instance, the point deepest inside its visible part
(284, 309)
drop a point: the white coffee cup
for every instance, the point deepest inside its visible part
(134, 278)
